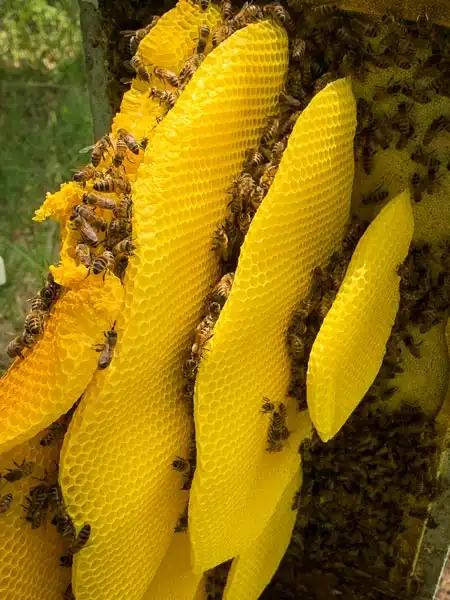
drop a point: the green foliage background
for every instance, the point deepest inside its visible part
(44, 122)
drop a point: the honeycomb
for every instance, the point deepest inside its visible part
(37, 390)
(253, 569)
(300, 222)
(179, 25)
(349, 348)
(29, 558)
(116, 460)
(174, 578)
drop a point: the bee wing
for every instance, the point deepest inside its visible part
(85, 149)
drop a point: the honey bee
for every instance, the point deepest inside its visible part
(83, 255)
(129, 140)
(268, 406)
(20, 472)
(164, 97)
(254, 159)
(137, 36)
(325, 10)
(244, 221)
(117, 230)
(437, 125)
(418, 186)
(34, 322)
(100, 201)
(99, 149)
(376, 197)
(182, 524)
(120, 266)
(204, 32)
(222, 289)
(226, 8)
(50, 292)
(248, 14)
(402, 119)
(103, 263)
(221, 243)
(180, 464)
(298, 49)
(141, 71)
(126, 247)
(107, 349)
(186, 73)
(66, 561)
(119, 185)
(403, 62)
(368, 29)
(120, 153)
(278, 432)
(166, 76)
(202, 335)
(84, 175)
(81, 540)
(68, 594)
(87, 231)
(368, 154)
(222, 32)
(36, 510)
(280, 14)
(90, 217)
(5, 503)
(16, 346)
(124, 209)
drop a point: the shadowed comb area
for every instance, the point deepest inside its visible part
(116, 460)
(253, 569)
(349, 348)
(174, 577)
(299, 224)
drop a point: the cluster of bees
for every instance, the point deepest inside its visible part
(361, 492)
(36, 318)
(116, 227)
(311, 311)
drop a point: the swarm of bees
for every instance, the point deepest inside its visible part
(359, 494)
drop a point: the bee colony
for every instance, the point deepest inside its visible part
(232, 384)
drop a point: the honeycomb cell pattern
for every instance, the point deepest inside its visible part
(253, 569)
(179, 27)
(174, 578)
(349, 348)
(299, 224)
(29, 558)
(116, 460)
(38, 389)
